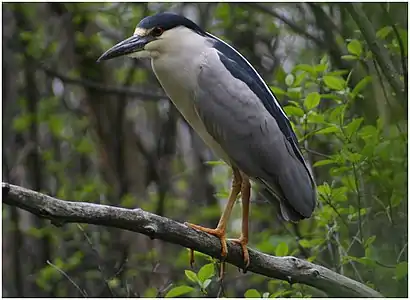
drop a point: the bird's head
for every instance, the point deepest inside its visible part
(155, 35)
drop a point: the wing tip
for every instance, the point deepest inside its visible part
(289, 214)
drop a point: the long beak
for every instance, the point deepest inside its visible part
(130, 45)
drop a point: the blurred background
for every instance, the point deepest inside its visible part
(106, 133)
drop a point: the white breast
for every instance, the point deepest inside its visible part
(178, 77)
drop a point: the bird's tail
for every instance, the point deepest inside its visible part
(294, 191)
(286, 211)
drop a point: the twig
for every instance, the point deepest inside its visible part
(103, 88)
(326, 18)
(83, 292)
(379, 75)
(380, 53)
(285, 268)
(316, 153)
(296, 28)
(402, 52)
(98, 259)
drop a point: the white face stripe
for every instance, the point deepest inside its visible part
(141, 31)
(260, 78)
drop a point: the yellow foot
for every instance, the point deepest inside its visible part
(243, 243)
(216, 232)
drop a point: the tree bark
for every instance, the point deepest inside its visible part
(287, 268)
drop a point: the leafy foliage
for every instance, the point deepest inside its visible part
(77, 130)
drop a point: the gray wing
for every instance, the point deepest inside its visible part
(236, 118)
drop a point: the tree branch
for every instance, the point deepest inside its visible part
(103, 88)
(401, 46)
(380, 53)
(295, 27)
(287, 268)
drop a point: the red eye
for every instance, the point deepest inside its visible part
(157, 31)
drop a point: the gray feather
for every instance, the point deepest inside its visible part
(238, 121)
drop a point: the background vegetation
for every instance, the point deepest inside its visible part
(106, 133)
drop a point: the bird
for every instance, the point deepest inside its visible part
(228, 104)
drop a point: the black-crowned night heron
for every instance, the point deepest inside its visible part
(229, 105)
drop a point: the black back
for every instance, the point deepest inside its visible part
(242, 70)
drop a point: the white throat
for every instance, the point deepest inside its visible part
(173, 42)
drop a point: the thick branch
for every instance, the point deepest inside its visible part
(380, 53)
(286, 268)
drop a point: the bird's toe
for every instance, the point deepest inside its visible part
(243, 243)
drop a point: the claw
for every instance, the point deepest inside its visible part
(243, 243)
(216, 232)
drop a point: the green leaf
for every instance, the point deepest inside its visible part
(277, 91)
(369, 241)
(305, 243)
(323, 162)
(215, 162)
(361, 85)
(338, 72)
(304, 67)
(330, 129)
(395, 200)
(294, 93)
(401, 270)
(191, 276)
(334, 82)
(293, 111)
(22, 122)
(324, 189)
(206, 283)
(206, 272)
(299, 78)
(85, 145)
(320, 68)
(56, 125)
(294, 103)
(252, 293)
(339, 194)
(26, 36)
(349, 57)
(282, 249)
(404, 38)
(324, 60)
(289, 79)
(280, 294)
(312, 100)
(353, 127)
(150, 293)
(383, 32)
(315, 118)
(114, 283)
(367, 261)
(37, 233)
(336, 116)
(355, 47)
(354, 157)
(179, 291)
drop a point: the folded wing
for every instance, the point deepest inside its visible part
(243, 116)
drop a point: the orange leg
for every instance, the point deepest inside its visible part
(243, 239)
(220, 230)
